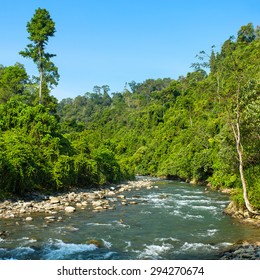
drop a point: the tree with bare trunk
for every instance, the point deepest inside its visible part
(40, 28)
(240, 94)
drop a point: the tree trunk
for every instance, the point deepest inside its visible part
(40, 89)
(241, 170)
(41, 75)
(239, 147)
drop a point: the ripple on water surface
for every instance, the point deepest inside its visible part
(175, 221)
(58, 250)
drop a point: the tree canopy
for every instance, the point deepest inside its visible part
(202, 127)
(40, 28)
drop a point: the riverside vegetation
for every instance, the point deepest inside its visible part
(202, 127)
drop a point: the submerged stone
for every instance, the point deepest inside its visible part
(97, 243)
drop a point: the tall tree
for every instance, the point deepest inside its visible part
(239, 61)
(40, 28)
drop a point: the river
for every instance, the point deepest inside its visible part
(174, 221)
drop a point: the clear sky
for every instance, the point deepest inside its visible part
(112, 42)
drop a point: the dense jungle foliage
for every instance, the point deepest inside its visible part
(184, 129)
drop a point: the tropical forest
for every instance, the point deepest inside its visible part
(202, 128)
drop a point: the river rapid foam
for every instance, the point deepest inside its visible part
(161, 220)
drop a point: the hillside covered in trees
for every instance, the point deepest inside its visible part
(202, 127)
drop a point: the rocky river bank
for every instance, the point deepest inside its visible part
(242, 250)
(95, 200)
(242, 215)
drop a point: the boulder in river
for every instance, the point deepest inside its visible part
(70, 209)
(97, 203)
(50, 218)
(133, 202)
(97, 243)
(98, 208)
(4, 234)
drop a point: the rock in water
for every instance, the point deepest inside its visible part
(133, 202)
(69, 209)
(50, 218)
(98, 208)
(4, 234)
(97, 243)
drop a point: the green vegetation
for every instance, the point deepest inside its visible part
(40, 28)
(204, 127)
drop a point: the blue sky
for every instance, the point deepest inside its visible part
(112, 42)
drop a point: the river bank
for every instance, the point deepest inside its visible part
(95, 199)
(242, 250)
(242, 215)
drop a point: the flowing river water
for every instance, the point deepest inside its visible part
(174, 221)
